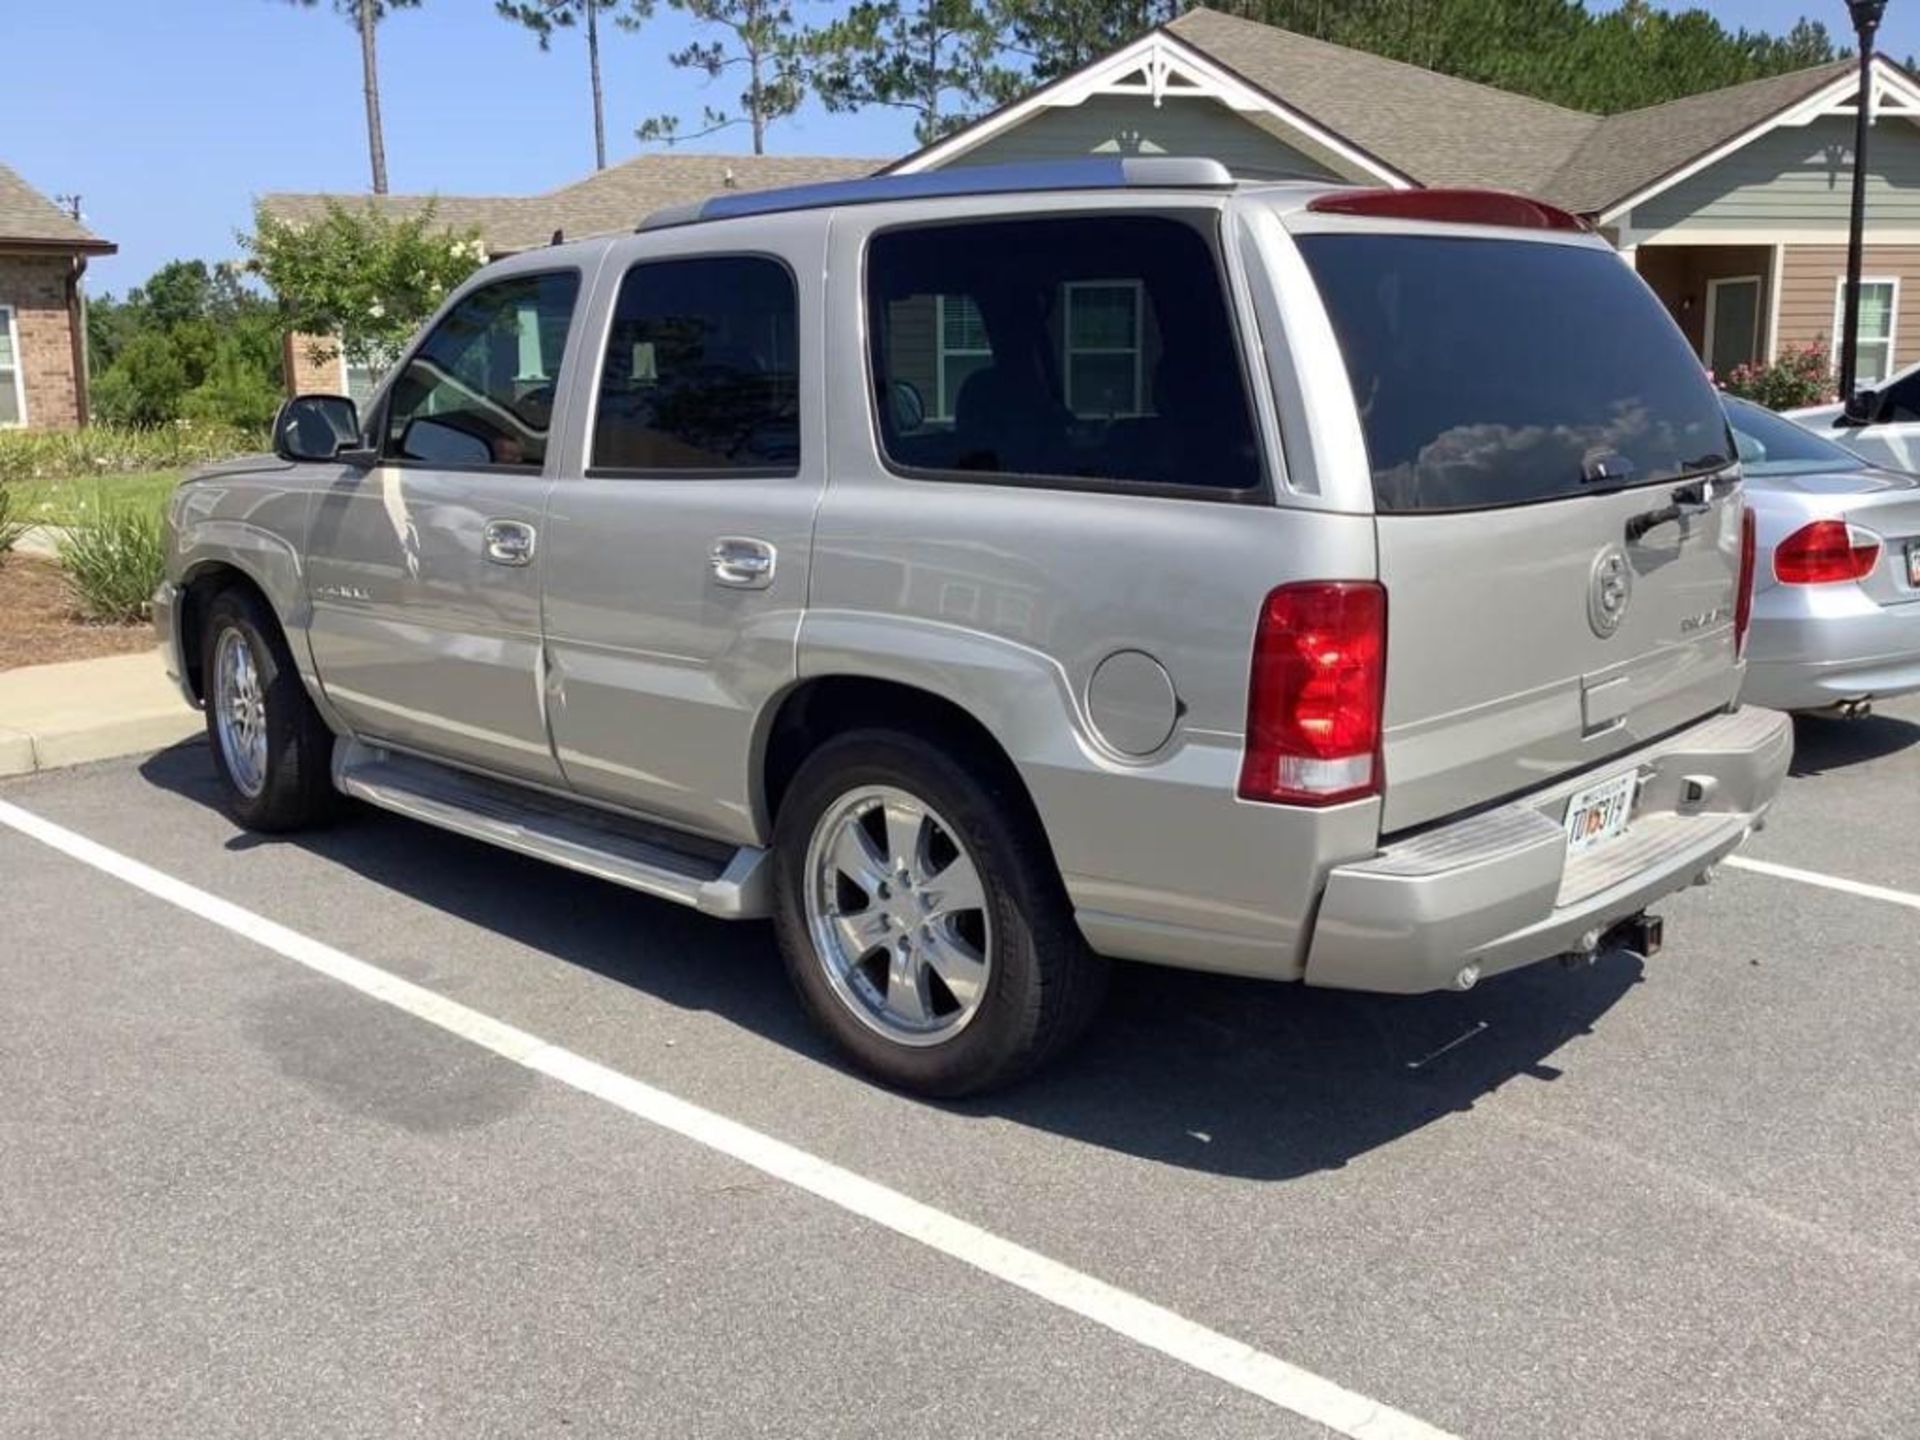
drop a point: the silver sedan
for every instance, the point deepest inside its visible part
(1836, 605)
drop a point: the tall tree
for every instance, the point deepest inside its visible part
(543, 17)
(365, 17)
(759, 38)
(942, 60)
(1056, 36)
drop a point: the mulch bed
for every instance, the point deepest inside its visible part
(39, 623)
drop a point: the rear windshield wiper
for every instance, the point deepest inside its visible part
(1694, 498)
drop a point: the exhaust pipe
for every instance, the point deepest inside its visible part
(1854, 709)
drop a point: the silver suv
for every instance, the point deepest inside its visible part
(990, 572)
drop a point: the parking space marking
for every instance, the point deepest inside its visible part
(1267, 1377)
(1826, 882)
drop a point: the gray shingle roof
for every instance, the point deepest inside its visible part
(28, 217)
(616, 198)
(1437, 130)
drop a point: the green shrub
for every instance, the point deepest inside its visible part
(114, 560)
(12, 524)
(115, 449)
(1801, 376)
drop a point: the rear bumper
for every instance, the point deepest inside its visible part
(1819, 645)
(1497, 891)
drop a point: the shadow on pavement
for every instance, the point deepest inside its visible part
(1822, 743)
(1233, 1077)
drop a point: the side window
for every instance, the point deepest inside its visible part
(480, 391)
(1094, 348)
(701, 374)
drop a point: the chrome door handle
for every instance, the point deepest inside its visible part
(508, 542)
(742, 562)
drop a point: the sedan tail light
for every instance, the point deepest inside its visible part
(1316, 694)
(1825, 552)
(1743, 602)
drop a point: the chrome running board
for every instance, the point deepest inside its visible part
(715, 878)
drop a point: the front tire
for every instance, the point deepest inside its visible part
(921, 918)
(270, 746)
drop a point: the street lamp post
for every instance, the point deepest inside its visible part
(1866, 21)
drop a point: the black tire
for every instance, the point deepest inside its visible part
(1044, 984)
(298, 790)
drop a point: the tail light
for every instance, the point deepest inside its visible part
(1743, 602)
(1824, 552)
(1316, 694)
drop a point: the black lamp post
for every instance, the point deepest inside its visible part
(1866, 21)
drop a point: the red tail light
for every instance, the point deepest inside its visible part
(1824, 552)
(1743, 602)
(1317, 690)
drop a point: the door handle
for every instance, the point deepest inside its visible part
(508, 542)
(742, 562)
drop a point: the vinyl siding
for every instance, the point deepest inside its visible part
(1797, 177)
(1130, 125)
(1810, 280)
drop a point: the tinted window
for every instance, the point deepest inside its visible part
(479, 391)
(1096, 348)
(701, 372)
(1770, 445)
(1498, 372)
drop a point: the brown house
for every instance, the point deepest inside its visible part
(43, 331)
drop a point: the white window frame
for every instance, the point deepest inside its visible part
(1137, 349)
(12, 325)
(1759, 318)
(1893, 319)
(941, 351)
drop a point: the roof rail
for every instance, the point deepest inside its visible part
(1099, 172)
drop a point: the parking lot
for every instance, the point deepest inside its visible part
(251, 1186)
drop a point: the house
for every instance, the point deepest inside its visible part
(616, 198)
(1733, 204)
(43, 329)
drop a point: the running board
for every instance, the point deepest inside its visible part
(713, 877)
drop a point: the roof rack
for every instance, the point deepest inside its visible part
(1099, 172)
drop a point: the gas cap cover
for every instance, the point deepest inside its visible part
(1132, 703)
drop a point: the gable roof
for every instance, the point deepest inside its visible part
(29, 218)
(617, 198)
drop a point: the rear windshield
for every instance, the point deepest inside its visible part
(1503, 372)
(1772, 445)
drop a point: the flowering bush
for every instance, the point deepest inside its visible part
(1801, 376)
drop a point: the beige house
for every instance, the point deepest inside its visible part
(616, 198)
(43, 331)
(1733, 204)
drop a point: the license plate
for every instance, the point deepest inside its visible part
(1913, 563)
(1600, 813)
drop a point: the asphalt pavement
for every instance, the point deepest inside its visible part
(240, 1197)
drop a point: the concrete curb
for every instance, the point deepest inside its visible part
(82, 710)
(42, 541)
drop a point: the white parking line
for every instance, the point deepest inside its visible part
(1826, 882)
(1255, 1372)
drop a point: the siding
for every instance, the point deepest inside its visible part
(1130, 125)
(1809, 283)
(1797, 177)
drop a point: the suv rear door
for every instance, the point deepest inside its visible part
(1531, 415)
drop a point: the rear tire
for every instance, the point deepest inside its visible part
(270, 746)
(921, 917)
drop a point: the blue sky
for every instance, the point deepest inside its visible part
(168, 116)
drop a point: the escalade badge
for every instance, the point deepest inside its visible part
(1609, 591)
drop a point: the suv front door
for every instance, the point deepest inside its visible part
(424, 571)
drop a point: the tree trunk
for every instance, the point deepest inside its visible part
(370, 78)
(593, 64)
(757, 104)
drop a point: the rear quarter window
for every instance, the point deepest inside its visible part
(1503, 372)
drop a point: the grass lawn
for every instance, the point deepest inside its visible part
(62, 502)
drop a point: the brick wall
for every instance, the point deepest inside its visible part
(308, 376)
(35, 287)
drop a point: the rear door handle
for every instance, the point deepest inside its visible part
(508, 542)
(742, 562)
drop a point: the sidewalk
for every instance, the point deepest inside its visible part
(89, 710)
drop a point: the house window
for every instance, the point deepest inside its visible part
(1879, 305)
(1103, 348)
(13, 390)
(963, 348)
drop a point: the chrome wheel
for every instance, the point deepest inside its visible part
(240, 712)
(898, 915)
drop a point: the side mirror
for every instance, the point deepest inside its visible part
(1861, 408)
(909, 410)
(316, 427)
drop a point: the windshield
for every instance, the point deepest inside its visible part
(1504, 372)
(1772, 445)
